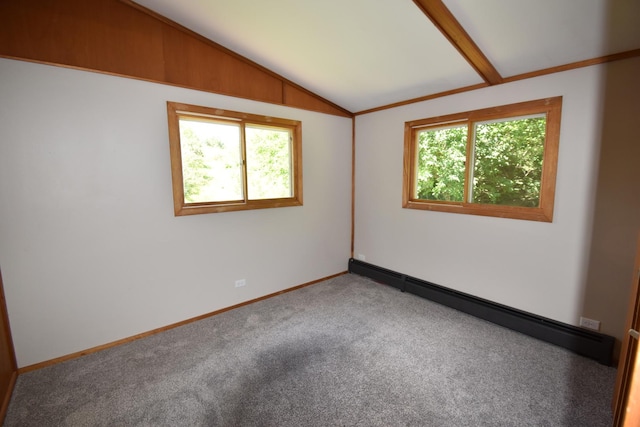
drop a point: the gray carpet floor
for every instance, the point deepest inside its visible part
(343, 352)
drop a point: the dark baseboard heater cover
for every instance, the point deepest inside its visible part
(590, 344)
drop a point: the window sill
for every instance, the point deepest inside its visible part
(204, 208)
(513, 212)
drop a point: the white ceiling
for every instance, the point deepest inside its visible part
(362, 54)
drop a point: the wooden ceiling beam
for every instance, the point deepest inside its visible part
(442, 18)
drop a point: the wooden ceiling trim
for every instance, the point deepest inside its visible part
(579, 64)
(442, 18)
(294, 95)
(423, 98)
(574, 65)
(196, 64)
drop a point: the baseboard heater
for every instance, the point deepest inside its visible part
(590, 344)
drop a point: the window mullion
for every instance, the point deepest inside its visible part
(414, 163)
(243, 153)
(468, 173)
(292, 154)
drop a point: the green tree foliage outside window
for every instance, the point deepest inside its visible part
(196, 172)
(268, 163)
(223, 160)
(498, 161)
(211, 161)
(507, 162)
(441, 164)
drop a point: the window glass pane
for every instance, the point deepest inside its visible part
(441, 163)
(268, 162)
(508, 161)
(211, 161)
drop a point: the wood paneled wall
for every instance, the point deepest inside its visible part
(118, 37)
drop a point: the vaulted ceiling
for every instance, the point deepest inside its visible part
(363, 54)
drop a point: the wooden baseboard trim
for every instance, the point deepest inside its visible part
(81, 353)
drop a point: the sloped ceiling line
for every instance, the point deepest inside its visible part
(442, 18)
(286, 83)
(367, 56)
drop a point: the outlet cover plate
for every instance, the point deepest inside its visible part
(594, 325)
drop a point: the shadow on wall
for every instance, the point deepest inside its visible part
(616, 216)
(616, 208)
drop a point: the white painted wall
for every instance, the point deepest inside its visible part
(91, 252)
(617, 208)
(533, 266)
(89, 247)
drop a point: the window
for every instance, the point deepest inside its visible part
(226, 161)
(497, 161)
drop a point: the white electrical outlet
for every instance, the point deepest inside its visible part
(361, 257)
(590, 323)
(240, 283)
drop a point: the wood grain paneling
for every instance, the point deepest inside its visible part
(98, 35)
(118, 37)
(193, 63)
(297, 97)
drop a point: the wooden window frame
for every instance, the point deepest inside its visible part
(551, 107)
(176, 110)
